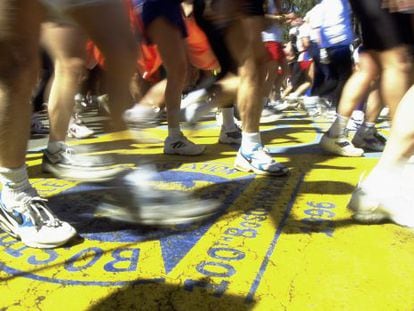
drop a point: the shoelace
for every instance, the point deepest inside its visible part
(259, 147)
(266, 152)
(38, 212)
(263, 150)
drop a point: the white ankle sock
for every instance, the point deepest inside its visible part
(14, 178)
(250, 140)
(228, 117)
(338, 127)
(54, 146)
(14, 182)
(174, 132)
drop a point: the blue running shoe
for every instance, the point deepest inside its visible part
(30, 220)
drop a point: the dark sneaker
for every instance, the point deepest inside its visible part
(230, 136)
(369, 139)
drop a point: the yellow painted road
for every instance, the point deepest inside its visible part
(277, 244)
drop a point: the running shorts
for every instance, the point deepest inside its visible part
(216, 31)
(169, 9)
(199, 51)
(305, 64)
(275, 51)
(382, 30)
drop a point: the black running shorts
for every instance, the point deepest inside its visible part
(382, 30)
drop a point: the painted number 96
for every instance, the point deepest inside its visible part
(318, 218)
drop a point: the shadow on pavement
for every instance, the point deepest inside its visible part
(161, 296)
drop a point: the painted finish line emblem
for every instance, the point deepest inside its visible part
(111, 253)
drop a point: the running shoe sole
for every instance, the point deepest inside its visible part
(88, 174)
(155, 209)
(107, 210)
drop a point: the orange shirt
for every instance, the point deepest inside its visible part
(149, 60)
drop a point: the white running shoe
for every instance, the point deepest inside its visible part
(292, 97)
(28, 218)
(356, 120)
(196, 105)
(80, 101)
(182, 146)
(200, 95)
(370, 204)
(79, 130)
(312, 105)
(230, 136)
(195, 111)
(369, 139)
(142, 116)
(260, 162)
(270, 114)
(219, 118)
(103, 104)
(67, 164)
(135, 200)
(385, 113)
(340, 146)
(279, 105)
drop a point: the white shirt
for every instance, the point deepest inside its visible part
(336, 26)
(314, 19)
(303, 32)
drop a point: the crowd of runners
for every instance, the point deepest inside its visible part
(142, 61)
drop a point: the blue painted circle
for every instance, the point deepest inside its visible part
(77, 206)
